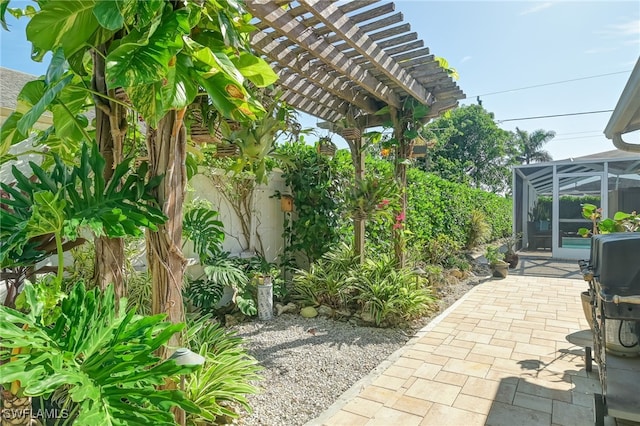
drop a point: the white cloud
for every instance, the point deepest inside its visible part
(631, 28)
(537, 8)
(465, 59)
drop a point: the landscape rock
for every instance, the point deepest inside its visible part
(309, 312)
(325, 311)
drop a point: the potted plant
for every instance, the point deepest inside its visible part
(510, 256)
(495, 257)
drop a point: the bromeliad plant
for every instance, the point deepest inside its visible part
(104, 358)
(373, 197)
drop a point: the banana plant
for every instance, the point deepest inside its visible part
(103, 357)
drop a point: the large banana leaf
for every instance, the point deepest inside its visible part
(106, 358)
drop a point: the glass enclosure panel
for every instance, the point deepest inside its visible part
(573, 192)
(624, 193)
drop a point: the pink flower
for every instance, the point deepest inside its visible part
(400, 217)
(383, 204)
(397, 225)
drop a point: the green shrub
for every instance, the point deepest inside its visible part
(220, 387)
(326, 282)
(317, 184)
(437, 206)
(441, 250)
(388, 295)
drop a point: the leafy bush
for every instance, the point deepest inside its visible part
(326, 282)
(206, 292)
(442, 250)
(388, 295)
(225, 379)
(105, 358)
(317, 184)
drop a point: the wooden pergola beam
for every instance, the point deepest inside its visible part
(290, 27)
(332, 17)
(279, 52)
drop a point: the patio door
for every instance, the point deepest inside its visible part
(570, 191)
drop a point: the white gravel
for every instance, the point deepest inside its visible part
(309, 363)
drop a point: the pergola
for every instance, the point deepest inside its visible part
(349, 59)
(344, 62)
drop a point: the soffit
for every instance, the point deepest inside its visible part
(339, 59)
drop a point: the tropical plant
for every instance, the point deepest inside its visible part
(326, 282)
(621, 222)
(226, 378)
(494, 255)
(256, 140)
(372, 196)
(388, 295)
(58, 203)
(206, 292)
(530, 145)
(201, 225)
(479, 230)
(104, 356)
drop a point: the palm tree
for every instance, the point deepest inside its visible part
(531, 145)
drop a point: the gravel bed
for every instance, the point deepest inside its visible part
(309, 363)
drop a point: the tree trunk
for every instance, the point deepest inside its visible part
(15, 411)
(167, 155)
(111, 123)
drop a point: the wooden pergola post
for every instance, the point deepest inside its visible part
(402, 153)
(355, 146)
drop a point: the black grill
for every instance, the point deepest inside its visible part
(615, 262)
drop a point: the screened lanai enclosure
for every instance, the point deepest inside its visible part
(548, 199)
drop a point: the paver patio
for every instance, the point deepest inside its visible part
(498, 356)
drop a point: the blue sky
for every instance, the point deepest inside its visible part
(500, 46)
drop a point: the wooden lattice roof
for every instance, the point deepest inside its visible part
(338, 59)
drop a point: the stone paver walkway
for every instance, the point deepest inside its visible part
(498, 356)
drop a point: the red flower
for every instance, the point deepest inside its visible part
(400, 217)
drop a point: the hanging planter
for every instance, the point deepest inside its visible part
(351, 133)
(419, 147)
(224, 150)
(122, 96)
(326, 147)
(200, 132)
